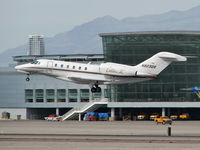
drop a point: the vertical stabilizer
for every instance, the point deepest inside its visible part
(158, 62)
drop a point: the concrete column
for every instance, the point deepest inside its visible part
(55, 96)
(112, 112)
(163, 111)
(168, 112)
(79, 116)
(78, 96)
(45, 96)
(67, 95)
(91, 95)
(102, 93)
(34, 97)
(57, 111)
(120, 112)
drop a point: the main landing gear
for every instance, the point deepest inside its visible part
(95, 88)
(27, 78)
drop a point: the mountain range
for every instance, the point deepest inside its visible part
(84, 39)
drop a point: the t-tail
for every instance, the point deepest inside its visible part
(196, 90)
(157, 63)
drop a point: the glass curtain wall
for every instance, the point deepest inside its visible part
(134, 48)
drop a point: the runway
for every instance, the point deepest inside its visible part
(98, 135)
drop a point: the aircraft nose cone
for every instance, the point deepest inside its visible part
(22, 68)
(17, 67)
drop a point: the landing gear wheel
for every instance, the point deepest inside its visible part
(93, 90)
(27, 79)
(98, 89)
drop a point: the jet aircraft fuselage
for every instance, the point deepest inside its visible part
(104, 73)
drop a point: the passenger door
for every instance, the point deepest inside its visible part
(49, 66)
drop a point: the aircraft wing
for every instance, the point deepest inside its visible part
(191, 89)
(186, 89)
(84, 79)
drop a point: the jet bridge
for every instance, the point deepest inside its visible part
(91, 106)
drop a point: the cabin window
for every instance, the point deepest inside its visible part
(79, 68)
(55, 65)
(62, 66)
(73, 67)
(67, 66)
(35, 62)
(85, 68)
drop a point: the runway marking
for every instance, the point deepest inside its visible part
(98, 138)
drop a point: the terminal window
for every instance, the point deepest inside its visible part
(39, 95)
(29, 96)
(50, 95)
(85, 95)
(61, 95)
(97, 95)
(73, 95)
(106, 94)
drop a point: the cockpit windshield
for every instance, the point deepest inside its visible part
(35, 62)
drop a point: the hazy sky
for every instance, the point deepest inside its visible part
(19, 18)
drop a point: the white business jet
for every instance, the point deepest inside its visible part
(104, 73)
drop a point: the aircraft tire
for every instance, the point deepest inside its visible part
(98, 89)
(27, 79)
(93, 90)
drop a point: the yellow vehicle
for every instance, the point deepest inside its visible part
(141, 117)
(163, 120)
(174, 117)
(153, 116)
(184, 116)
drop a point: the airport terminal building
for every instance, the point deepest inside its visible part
(44, 95)
(165, 95)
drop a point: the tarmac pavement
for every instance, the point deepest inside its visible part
(98, 135)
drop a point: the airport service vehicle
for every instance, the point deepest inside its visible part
(104, 73)
(174, 117)
(52, 117)
(184, 116)
(153, 116)
(163, 120)
(141, 117)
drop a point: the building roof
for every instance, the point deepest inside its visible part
(73, 57)
(151, 32)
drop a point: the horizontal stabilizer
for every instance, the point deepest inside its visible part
(171, 57)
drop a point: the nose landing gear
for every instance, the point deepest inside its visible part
(95, 88)
(27, 78)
